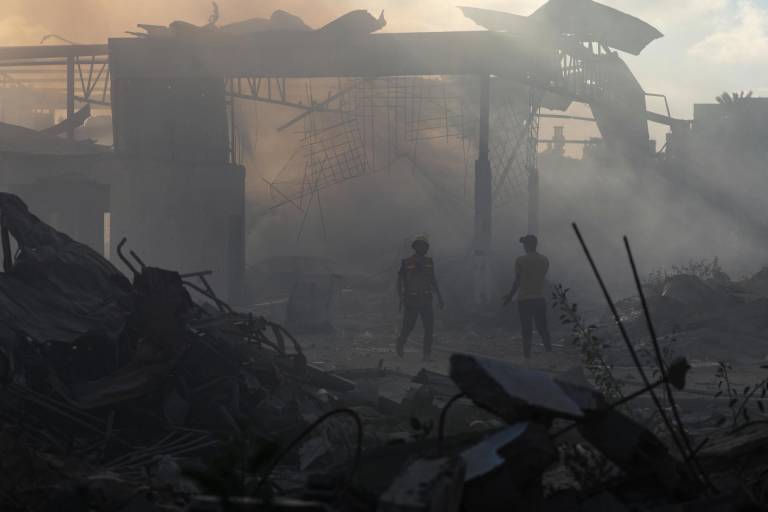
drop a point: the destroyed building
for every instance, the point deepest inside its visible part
(149, 361)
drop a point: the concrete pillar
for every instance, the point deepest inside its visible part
(70, 93)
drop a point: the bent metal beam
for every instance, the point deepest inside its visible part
(309, 55)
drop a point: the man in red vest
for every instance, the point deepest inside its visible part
(416, 283)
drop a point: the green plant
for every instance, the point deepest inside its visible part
(655, 422)
(732, 98)
(703, 269)
(739, 402)
(591, 348)
(588, 466)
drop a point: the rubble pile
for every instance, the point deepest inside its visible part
(114, 373)
(129, 395)
(710, 319)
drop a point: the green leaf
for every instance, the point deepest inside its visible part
(732, 402)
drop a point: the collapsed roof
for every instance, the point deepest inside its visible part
(583, 19)
(17, 139)
(56, 289)
(358, 22)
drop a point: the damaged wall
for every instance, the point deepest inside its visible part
(184, 216)
(177, 215)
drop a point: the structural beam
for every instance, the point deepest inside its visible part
(565, 116)
(70, 95)
(313, 54)
(52, 52)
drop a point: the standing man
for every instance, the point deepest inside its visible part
(415, 283)
(530, 273)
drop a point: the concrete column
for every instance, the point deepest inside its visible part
(70, 93)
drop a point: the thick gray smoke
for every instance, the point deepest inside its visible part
(671, 216)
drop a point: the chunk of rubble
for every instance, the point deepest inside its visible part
(516, 394)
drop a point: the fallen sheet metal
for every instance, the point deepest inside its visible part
(70, 123)
(636, 450)
(592, 21)
(358, 22)
(484, 457)
(510, 392)
(585, 19)
(56, 289)
(280, 20)
(426, 485)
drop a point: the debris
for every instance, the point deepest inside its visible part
(514, 394)
(280, 20)
(484, 457)
(56, 289)
(426, 485)
(354, 23)
(516, 484)
(636, 451)
(70, 123)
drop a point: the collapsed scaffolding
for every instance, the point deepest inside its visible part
(380, 122)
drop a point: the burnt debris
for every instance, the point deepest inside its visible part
(126, 394)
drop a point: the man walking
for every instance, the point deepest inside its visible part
(415, 283)
(530, 273)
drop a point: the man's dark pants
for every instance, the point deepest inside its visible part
(534, 312)
(411, 314)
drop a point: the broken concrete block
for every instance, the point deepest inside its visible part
(504, 471)
(426, 485)
(634, 449)
(514, 394)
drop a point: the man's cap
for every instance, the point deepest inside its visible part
(420, 238)
(529, 239)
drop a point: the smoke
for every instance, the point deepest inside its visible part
(93, 21)
(365, 223)
(671, 215)
(25, 22)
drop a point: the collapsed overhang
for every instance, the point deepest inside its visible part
(317, 54)
(583, 19)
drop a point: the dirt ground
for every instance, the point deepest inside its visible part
(367, 325)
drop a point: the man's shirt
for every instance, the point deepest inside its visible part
(531, 270)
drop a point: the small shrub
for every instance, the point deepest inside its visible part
(590, 346)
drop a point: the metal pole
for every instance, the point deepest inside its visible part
(70, 93)
(483, 198)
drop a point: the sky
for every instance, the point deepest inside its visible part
(710, 46)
